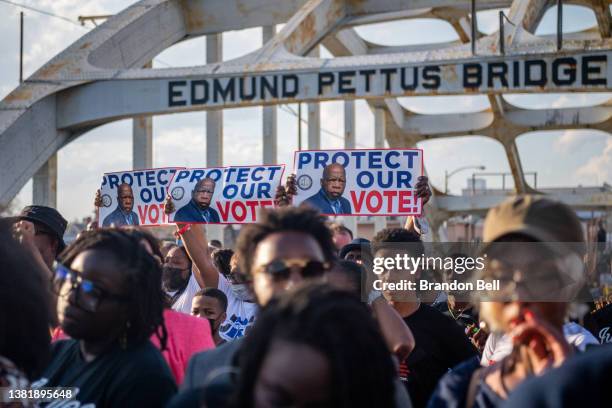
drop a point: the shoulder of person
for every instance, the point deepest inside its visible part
(434, 313)
(580, 381)
(141, 358)
(174, 319)
(205, 361)
(453, 386)
(63, 346)
(151, 388)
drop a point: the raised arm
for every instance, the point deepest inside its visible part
(284, 194)
(424, 192)
(23, 232)
(196, 244)
(395, 331)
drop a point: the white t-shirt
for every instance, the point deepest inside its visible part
(183, 303)
(240, 314)
(499, 345)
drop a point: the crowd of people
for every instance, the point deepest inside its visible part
(289, 317)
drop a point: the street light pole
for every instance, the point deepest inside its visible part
(448, 175)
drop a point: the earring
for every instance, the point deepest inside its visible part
(123, 340)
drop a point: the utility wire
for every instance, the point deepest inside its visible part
(289, 110)
(286, 108)
(66, 19)
(37, 10)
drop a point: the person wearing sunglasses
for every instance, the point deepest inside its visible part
(110, 303)
(199, 208)
(284, 248)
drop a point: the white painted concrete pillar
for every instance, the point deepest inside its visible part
(314, 117)
(44, 191)
(380, 222)
(142, 140)
(214, 125)
(270, 133)
(379, 128)
(349, 125)
(214, 118)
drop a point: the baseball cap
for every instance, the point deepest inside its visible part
(50, 218)
(357, 243)
(538, 217)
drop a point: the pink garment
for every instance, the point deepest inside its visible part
(187, 335)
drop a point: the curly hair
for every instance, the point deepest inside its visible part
(221, 258)
(143, 275)
(397, 236)
(25, 312)
(214, 293)
(336, 324)
(287, 219)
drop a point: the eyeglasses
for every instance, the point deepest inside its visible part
(88, 294)
(205, 191)
(280, 269)
(332, 180)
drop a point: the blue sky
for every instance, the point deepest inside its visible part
(582, 157)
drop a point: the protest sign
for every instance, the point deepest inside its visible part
(135, 197)
(359, 181)
(223, 195)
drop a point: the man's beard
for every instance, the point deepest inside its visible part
(172, 279)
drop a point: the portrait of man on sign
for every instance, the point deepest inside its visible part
(199, 209)
(123, 214)
(329, 199)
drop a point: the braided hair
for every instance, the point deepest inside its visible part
(143, 275)
(336, 324)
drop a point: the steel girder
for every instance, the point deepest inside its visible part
(98, 78)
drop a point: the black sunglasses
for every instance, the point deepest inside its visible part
(280, 269)
(88, 294)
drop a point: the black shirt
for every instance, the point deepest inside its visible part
(440, 344)
(599, 323)
(135, 377)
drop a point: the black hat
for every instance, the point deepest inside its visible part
(50, 218)
(357, 243)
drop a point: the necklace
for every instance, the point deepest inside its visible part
(450, 310)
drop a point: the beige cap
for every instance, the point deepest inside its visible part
(538, 217)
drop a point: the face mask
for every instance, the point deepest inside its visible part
(172, 278)
(213, 328)
(241, 292)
